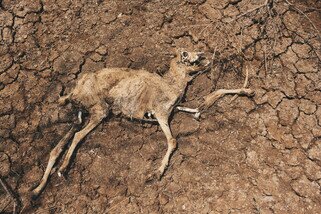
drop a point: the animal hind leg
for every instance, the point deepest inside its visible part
(54, 154)
(97, 114)
(171, 142)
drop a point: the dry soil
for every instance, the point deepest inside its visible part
(252, 155)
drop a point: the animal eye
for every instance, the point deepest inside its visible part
(184, 54)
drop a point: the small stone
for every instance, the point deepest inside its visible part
(163, 199)
(96, 57)
(102, 50)
(92, 66)
(252, 159)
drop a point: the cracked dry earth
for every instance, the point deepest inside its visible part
(252, 155)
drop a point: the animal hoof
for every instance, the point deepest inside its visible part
(61, 174)
(197, 116)
(161, 173)
(62, 171)
(33, 195)
(249, 92)
(150, 178)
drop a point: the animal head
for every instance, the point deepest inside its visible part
(193, 63)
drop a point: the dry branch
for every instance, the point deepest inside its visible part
(251, 10)
(305, 15)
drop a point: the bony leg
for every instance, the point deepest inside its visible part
(245, 84)
(210, 99)
(96, 116)
(79, 117)
(194, 111)
(54, 154)
(171, 143)
(189, 110)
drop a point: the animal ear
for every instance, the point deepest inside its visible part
(178, 52)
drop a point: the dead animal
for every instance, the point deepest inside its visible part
(135, 94)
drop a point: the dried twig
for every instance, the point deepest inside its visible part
(8, 201)
(265, 61)
(213, 56)
(251, 10)
(305, 15)
(16, 201)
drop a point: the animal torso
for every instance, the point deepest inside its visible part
(134, 93)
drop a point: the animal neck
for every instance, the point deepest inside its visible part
(177, 76)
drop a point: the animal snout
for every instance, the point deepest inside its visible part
(201, 54)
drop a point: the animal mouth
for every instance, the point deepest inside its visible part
(195, 63)
(199, 61)
(203, 65)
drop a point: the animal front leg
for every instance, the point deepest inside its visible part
(195, 111)
(171, 143)
(210, 99)
(97, 114)
(54, 154)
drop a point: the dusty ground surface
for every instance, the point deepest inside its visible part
(257, 155)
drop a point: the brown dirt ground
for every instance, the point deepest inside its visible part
(254, 155)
